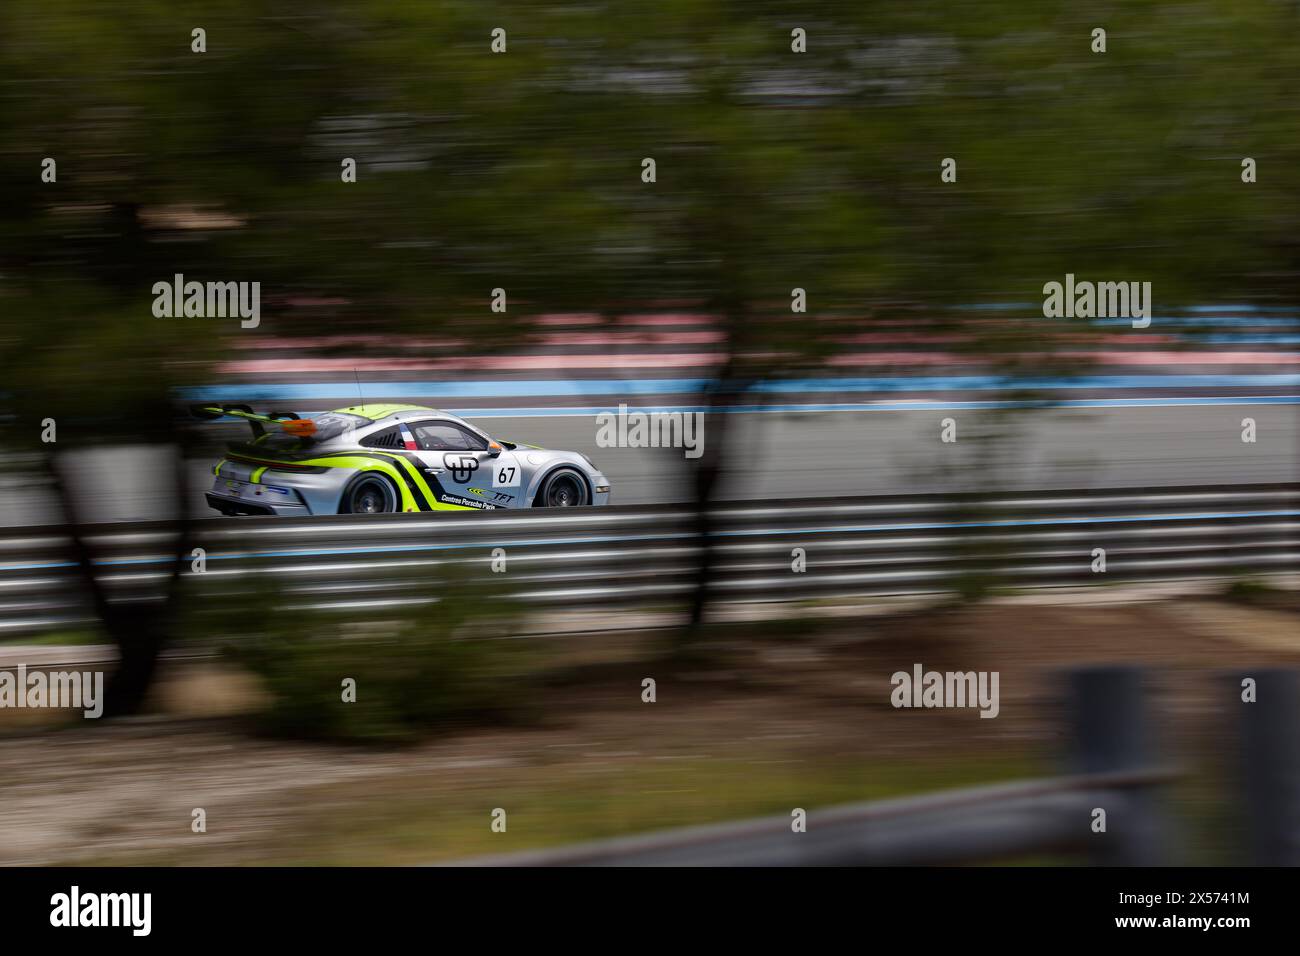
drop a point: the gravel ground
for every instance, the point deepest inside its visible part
(781, 710)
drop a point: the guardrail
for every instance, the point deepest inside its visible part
(649, 555)
(1113, 747)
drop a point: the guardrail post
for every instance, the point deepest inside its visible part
(1270, 765)
(1110, 731)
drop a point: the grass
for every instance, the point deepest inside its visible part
(413, 819)
(405, 827)
(1248, 589)
(56, 638)
(417, 818)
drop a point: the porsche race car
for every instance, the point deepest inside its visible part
(374, 459)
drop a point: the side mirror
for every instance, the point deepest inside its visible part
(494, 450)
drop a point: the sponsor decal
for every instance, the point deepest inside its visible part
(467, 502)
(494, 495)
(461, 465)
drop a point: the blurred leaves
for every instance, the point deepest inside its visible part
(417, 669)
(775, 169)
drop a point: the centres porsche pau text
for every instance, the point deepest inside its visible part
(208, 300)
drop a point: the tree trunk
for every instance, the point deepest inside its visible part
(722, 395)
(139, 628)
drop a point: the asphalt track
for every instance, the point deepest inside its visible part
(807, 455)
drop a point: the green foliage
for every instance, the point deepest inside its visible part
(1248, 588)
(1262, 594)
(417, 670)
(521, 170)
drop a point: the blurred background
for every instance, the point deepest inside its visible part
(793, 149)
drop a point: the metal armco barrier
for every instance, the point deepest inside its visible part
(648, 555)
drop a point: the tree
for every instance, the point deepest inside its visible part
(523, 170)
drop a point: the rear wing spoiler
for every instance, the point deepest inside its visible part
(291, 423)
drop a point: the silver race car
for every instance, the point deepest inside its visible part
(373, 459)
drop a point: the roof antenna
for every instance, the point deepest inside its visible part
(361, 401)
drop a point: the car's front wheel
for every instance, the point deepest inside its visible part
(368, 495)
(563, 489)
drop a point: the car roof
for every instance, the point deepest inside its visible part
(388, 414)
(376, 412)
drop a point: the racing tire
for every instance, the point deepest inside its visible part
(368, 494)
(564, 488)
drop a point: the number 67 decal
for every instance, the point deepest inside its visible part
(505, 474)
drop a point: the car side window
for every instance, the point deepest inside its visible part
(384, 438)
(446, 436)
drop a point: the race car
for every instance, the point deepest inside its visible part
(375, 459)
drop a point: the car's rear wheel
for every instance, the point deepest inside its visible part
(563, 489)
(368, 495)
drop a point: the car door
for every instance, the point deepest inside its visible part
(461, 466)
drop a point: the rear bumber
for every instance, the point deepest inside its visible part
(240, 487)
